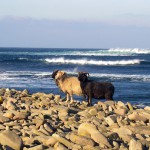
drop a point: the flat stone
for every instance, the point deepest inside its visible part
(11, 139)
(121, 111)
(59, 146)
(123, 133)
(135, 145)
(3, 119)
(111, 120)
(63, 141)
(80, 140)
(137, 117)
(38, 147)
(89, 130)
(93, 111)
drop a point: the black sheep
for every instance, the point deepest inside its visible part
(95, 89)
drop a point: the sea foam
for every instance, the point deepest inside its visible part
(62, 60)
(130, 50)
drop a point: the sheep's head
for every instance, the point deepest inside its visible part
(83, 76)
(54, 74)
(60, 75)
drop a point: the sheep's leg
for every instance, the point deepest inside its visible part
(109, 97)
(72, 100)
(89, 100)
(67, 95)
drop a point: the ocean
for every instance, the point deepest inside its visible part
(31, 68)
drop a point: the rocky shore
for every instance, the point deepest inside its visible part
(42, 121)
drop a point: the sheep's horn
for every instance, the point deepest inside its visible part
(87, 74)
(54, 73)
(84, 73)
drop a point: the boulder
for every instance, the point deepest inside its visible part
(135, 145)
(63, 141)
(110, 120)
(11, 105)
(123, 133)
(137, 117)
(1, 99)
(130, 107)
(93, 111)
(59, 146)
(38, 147)
(80, 140)
(51, 141)
(89, 130)
(11, 139)
(121, 111)
(3, 119)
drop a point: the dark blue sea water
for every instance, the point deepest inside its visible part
(30, 68)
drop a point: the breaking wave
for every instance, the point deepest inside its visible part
(133, 77)
(62, 60)
(129, 51)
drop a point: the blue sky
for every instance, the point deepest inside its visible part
(75, 23)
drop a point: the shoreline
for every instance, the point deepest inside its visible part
(46, 121)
